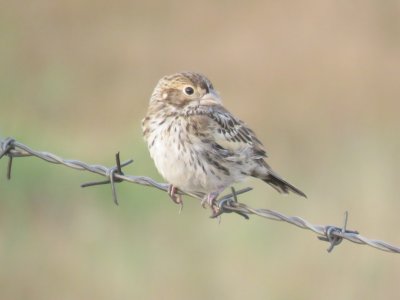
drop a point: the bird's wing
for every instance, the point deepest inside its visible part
(228, 135)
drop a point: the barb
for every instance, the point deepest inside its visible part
(226, 204)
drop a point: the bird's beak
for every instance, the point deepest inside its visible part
(210, 98)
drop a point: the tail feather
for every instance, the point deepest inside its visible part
(281, 185)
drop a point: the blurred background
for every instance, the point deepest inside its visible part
(318, 81)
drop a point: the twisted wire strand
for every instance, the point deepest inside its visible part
(334, 235)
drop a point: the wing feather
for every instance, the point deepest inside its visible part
(230, 135)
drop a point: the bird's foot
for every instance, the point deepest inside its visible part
(172, 192)
(210, 200)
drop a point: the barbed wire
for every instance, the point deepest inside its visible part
(227, 204)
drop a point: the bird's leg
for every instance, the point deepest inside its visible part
(175, 197)
(210, 200)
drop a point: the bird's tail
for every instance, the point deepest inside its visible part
(281, 185)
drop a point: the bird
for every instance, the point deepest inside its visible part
(198, 146)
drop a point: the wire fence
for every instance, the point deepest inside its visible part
(10, 148)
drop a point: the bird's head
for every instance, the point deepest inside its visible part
(185, 89)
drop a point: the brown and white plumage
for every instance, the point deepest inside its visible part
(197, 145)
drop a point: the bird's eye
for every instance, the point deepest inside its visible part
(188, 90)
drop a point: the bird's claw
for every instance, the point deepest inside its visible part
(210, 200)
(216, 212)
(176, 198)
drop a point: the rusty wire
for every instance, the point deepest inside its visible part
(227, 204)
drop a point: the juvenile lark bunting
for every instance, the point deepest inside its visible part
(197, 145)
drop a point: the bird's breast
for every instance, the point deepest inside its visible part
(179, 156)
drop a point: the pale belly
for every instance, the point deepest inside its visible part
(183, 164)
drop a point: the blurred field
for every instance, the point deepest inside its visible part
(319, 82)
